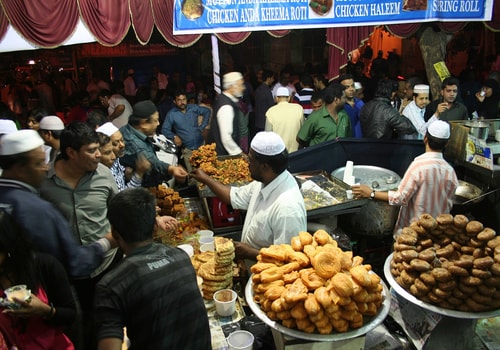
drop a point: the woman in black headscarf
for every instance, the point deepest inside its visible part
(488, 99)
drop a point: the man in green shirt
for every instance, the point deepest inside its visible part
(329, 122)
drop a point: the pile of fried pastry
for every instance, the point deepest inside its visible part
(215, 268)
(450, 262)
(168, 201)
(313, 286)
(231, 170)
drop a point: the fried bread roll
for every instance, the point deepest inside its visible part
(326, 264)
(342, 285)
(305, 238)
(322, 237)
(274, 252)
(271, 274)
(427, 221)
(260, 266)
(311, 279)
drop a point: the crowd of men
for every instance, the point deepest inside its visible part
(76, 189)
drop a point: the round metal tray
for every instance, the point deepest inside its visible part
(383, 179)
(369, 324)
(442, 311)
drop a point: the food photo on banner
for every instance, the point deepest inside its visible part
(218, 16)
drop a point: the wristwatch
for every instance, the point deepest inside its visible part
(372, 194)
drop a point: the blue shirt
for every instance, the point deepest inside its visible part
(138, 143)
(353, 113)
(47, 229)
(186, 126)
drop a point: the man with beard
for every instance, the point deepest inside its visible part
(275, 207)
(352, 104)
(226, 121)
(329, 122)
(184, 125)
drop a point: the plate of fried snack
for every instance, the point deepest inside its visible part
(311, 289)
(229, 170)
(449, 265)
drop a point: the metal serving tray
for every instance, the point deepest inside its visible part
(337, 188)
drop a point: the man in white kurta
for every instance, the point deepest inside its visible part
(285, 119)
(275, 212)
(415, 111)
(275, 207)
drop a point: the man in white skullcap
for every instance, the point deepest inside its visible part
(24, 169)
(275, 207)
(50, 130)
(227, 118)
(7, 126)
(285, 119)
(110, 146)
(415, 111)
(427, 186)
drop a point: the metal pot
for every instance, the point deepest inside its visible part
(375, 218)
(467, 193)
(478, 129)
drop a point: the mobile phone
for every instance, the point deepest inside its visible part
(482, 93)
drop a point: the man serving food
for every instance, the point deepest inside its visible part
(275, 207)
(427, 186)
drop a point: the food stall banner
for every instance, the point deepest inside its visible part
(218, 16)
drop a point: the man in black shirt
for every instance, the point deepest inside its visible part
(447, 107)
(153, 292)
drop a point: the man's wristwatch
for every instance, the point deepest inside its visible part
(372, 194)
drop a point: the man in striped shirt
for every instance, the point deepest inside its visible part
(153, 292)
(428, 184)
(303, 97)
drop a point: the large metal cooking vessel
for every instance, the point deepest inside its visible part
(478, 128)
(467, 193)
(376, 218)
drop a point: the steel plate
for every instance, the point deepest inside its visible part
(384, 179)
(442, 311)
(370, 322)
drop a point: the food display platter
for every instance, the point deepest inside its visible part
(442, 311)
(336, 188)
(370, 322)
(205, 192)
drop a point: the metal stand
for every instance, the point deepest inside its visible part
(283, 342)
(452, 333)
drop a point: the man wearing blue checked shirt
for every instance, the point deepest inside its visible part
(185, 123)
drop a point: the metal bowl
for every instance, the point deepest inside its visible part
(467, 192)
(478, 129)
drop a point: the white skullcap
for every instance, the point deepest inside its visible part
(439, 129)
(421, 89)
(267, 143)
(282, 91)
(19, 142)
(357, 85)
(107, 129)
(7, 126)
(231, 78)
(51, 122)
